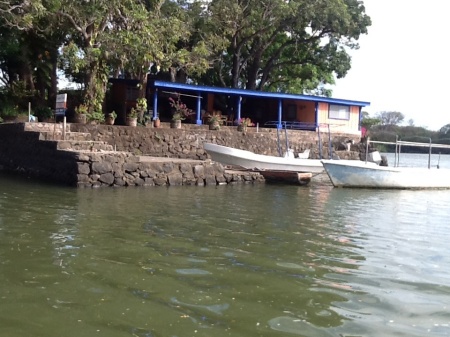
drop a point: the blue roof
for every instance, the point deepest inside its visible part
(254, 93)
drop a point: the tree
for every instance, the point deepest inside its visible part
(445, 129)
(20, 14)
(368, 122)
(90, 24)
(285, 45)
(390, 117)
(28, 59)
(127, 37)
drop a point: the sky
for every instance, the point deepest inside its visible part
(403, 63)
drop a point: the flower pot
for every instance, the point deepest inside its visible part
(80, 118)
(242, 128)
(214, 126)
(157, 123)
(109, 120)
(175, 124)
(131, 121)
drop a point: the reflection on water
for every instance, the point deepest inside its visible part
(249, 260)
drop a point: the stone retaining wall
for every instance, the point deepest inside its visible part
(126, 169)
(188, 141)
(26, 153)
(179, 155)
(23, 152)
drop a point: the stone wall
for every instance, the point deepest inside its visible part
(24, 153)
(188, 141)
(126, 169)
(31, 153)
(85, 157)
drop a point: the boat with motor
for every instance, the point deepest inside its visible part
(365, 174)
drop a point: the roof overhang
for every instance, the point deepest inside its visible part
(253, 93)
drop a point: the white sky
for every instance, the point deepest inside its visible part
(403, 63)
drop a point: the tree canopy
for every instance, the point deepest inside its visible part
(291, 46)
(390, 117)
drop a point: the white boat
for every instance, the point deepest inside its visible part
(365, 174)
(356, 173)
(252, 161)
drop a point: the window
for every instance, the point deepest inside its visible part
(339, 112)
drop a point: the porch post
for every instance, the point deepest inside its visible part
(199, 108)
(238, 110)
(316, 111)
(280, 113)
(155, 104)
(359, 119)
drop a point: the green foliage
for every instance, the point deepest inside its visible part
(390, 133)
(43, 112)
(113, 114)
(390, 117)
(284, 45)
(445, 129)
(9, 110)
(21, 14)
(95, 116)
(81, 109)
(368, 122)
(292, 46)
(140, 109)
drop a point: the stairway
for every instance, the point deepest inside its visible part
(52, 135)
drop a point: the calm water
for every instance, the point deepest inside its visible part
(248, 260)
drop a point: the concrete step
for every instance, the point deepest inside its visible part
(46, 127)
(77, 145)
(58, 135)
(88, 145)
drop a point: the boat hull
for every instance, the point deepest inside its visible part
(252, 161)
(354, 173)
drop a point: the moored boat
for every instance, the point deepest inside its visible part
(355, 173)
(365, 174)
(252, 161)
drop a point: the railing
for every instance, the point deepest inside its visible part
(292, 125)
(398, 145)
(300, 126)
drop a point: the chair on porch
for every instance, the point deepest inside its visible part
(229, 120)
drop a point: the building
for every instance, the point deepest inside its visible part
(273, 109)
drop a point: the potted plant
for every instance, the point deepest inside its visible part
(110, 118)
(215, 121)
(244, 123)
(95, 117)
(131, 119)
(81, 114)
(137, 112)
(180, 112)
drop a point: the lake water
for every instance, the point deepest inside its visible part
(244, 260)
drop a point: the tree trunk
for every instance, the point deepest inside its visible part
(235, 75)
(252, 73)
(54, 80)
